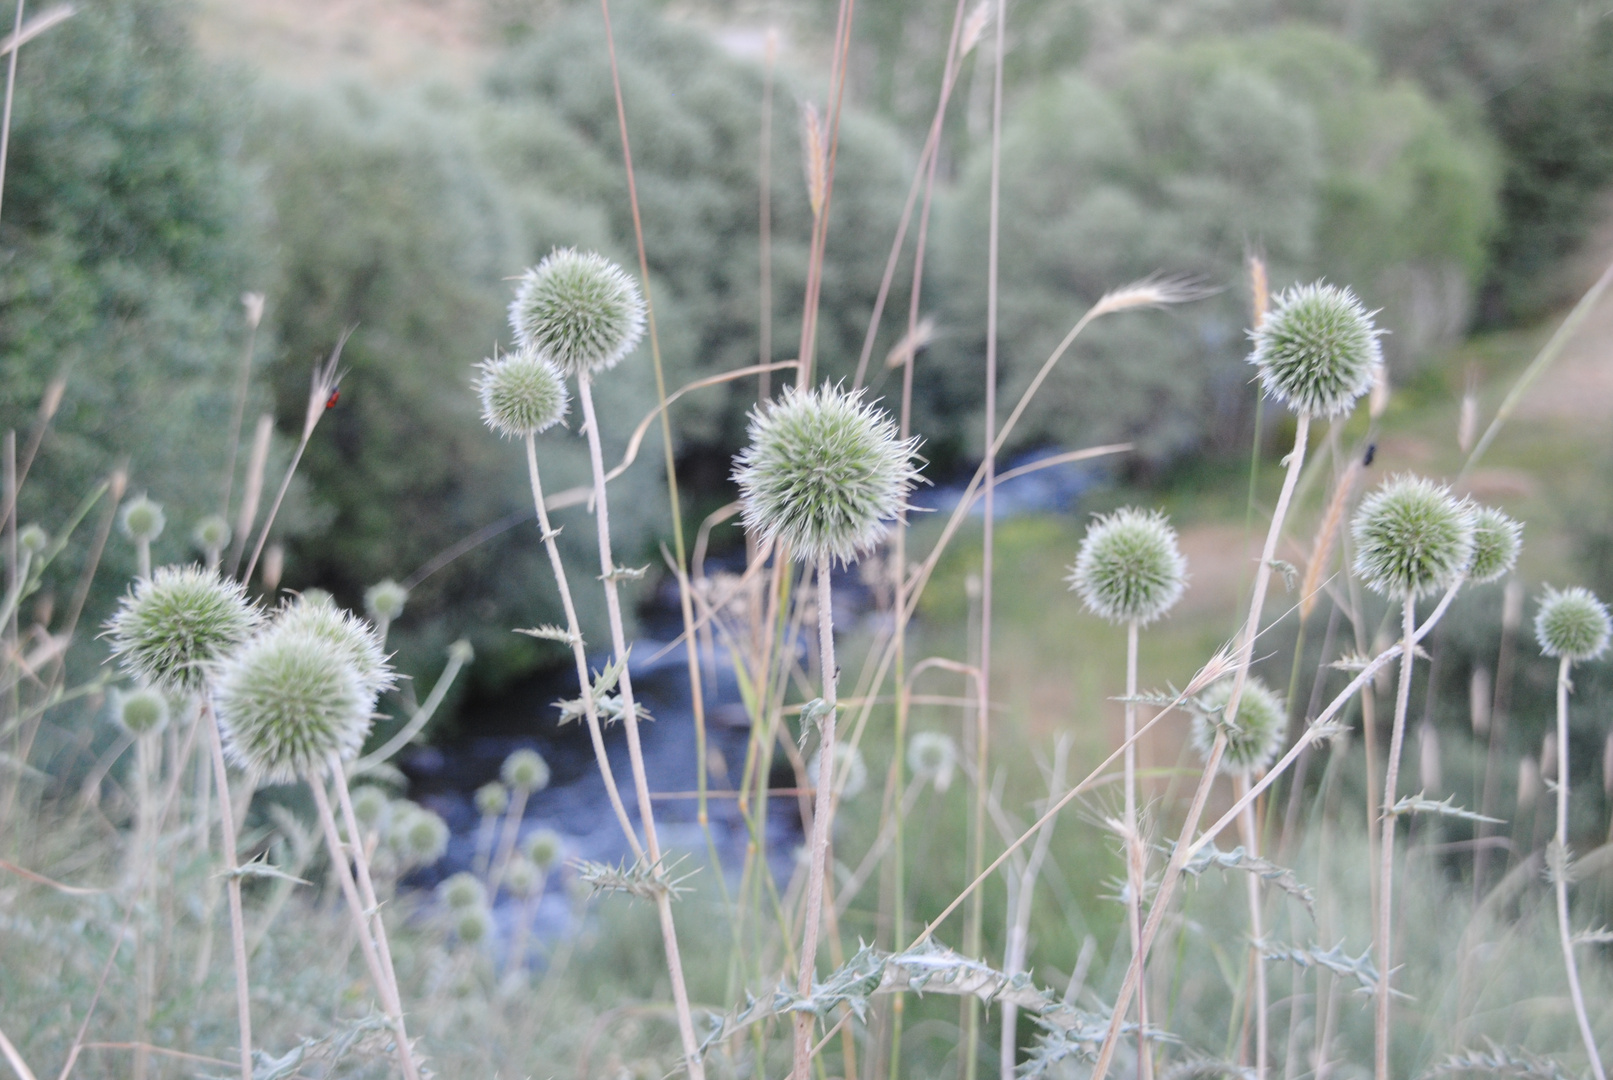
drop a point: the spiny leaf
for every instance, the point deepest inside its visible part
(1336, 960)
(1500, 1060)
(625, 573)
(647, 881)
(1599, 936)
(1417, 804)
(1238, 859)
(260, 869)
(812, 715)
(550, 633)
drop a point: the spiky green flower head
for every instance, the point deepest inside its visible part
(1254, 738)
(544, 848)
(420, 836)
(170, 628)
(933, 756)
(141, 712)
(1412, 536)
(371, 806)
(472, 925)
(580, 310)
(525, 771)
(1129, 568)
(1496, 540)
(33, 539)
(1317, 350)
(141, 519)
(287, 700)
(523, 393)
(212, 533)
(492, 799)
(848, 762)
(825, 472)
(385, 600)
(1572, 624)
(462, 890)
(349, 636)
(521, 878)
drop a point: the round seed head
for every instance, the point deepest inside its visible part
(1572, 624)
(1129, 568)
(492, 799)
(521, 878)
(421, 837)
(317, 597)
(933, 756)
(580, 310)
(473, 925)
(1254, 739)
(33, 539)
(385, 600)
(525, 771)
(522, 393)
(286, 700)
(142, 712)
(371, 806)
(1317, 350)
(141, 519)
(462, 890)
(1496, 539)
(212, 533)
(825, 472)
(314, 614)
(461, 651)
(1412, 536)
(544, 847)
(171, 627)
(848, 762)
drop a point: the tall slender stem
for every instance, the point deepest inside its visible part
(11, 93)
(1251, 843)
(1386, 842)
(822, 810)
(1135, 853)
(1560, 873)
(226, 821)
(366, 884)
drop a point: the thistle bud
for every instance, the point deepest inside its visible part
(848, 762)
(211, 534)
(1572, 624)
(1129, 568)
(385, 599)
(141, 712)
(141, 519)
(172, 626)
(521, 878)
(33, 539)
(1317, 350)
(824, 472)
(1412, 536)
(544, 848)
(371, 806)
(318, 617)
(462, 890)
(522, 393)
(1253, 738)
(525, 771)
(419, 836)
(933, 757)
(473, 925)
(492, 799)
(578, 309)
(1496, 539)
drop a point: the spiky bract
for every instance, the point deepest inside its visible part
(1129, 568)
(522, 393)
(1572, 624)
(385, 600)
(1254, 738)
(141, 519)
(1317, 350)
(1496, 539)
(521, 878)
(933, 756)
(212, 533)
(1412, 536)
(142, 712)
(525, 771)
(286, 701)
(462, 890)
(492, 799)
(420, 836)
(472, 925)
(848, 762)
(33, 539)
(353, 638)
(171, 627)
(580, 310)
(825, 472)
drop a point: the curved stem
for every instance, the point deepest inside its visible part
(1560, 873)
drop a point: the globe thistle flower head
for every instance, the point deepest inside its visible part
(825, 472)
(33, 539)
(170, 628)
(580, 310)
(1317, 350)
(420, 836)
(1572, 624)
(1129, 568)
(212, 533)
(385, 600)
(287, 700)
(933, 756)
(1496, 540)
(314, 614)
(141, 519)
(492, 799)
(848, 762)
(1254, 738)
(544, 849)
(141, 712)
(521, 878)
(522, 393)
(1412, 536)
(462, 890)
(371, 806)
(473, 925)
(525, 771)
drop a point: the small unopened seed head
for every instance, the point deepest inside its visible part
(580, 310)
(1496, 540)
(316, 615)
(473, 925)
(848, 762)
(492, 799)
(933, 756)
(371, 806)
(521, 878)
(420, 837)
(1317, 350)
(141, 519)
(1572, 624)
(1412, 536)
(522, 393)
(171, 627)
(544, 847)
(286, 701)
(33, 539)
(525, 771)
(1129, 568)
(462, 890)
(461, 652)
(385, 600)
(212, 533)
(1256, 735)
(142, 712)
(825, 472)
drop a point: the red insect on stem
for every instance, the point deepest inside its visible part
(335, 395)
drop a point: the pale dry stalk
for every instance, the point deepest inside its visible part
(226, 818)
(1386, 843)
(1250, 836)
(1560, 873)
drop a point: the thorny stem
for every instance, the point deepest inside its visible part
(1560, 872)
(1135, 854)
(652, 844)
(1257, 934)
(1386, 843)
(226, 820)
